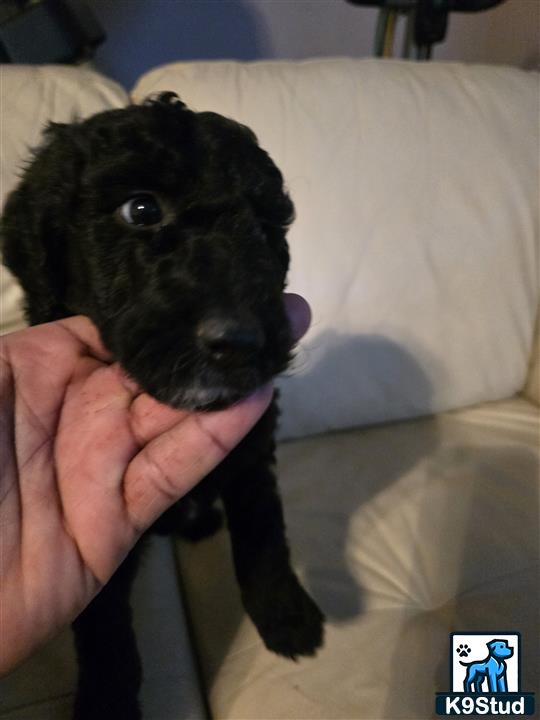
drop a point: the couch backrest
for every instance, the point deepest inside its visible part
(416, 188)
(31, 96)
(416, 241)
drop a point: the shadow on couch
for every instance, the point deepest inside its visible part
(367, 461)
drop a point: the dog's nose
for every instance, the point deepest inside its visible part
(223, 336)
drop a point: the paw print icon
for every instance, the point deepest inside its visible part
(463, 650)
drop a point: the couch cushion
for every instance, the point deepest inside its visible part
(416, 186)
(403, 533)
(32, 96)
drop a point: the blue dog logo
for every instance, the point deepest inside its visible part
(491, 686)
(492, 669)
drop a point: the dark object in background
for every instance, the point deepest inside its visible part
(48, 31)
(427, 22)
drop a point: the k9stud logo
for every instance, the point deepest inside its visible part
(485, 676)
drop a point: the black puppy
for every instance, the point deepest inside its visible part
(167, 228)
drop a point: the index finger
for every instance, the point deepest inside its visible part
(83, 330)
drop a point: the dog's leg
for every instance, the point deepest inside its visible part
(288, 620)
(194, 517)
(478, 682)
(109, 665)
(492, 672)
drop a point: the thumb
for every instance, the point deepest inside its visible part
(172, 463)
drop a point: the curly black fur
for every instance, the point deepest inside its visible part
(191, 306)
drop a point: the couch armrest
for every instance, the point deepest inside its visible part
(531, 389)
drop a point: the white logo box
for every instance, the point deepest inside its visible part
(479, 651)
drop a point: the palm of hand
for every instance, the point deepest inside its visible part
(89, 463)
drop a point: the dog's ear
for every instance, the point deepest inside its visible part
(35, 220)
(166, 98)
(271, 202)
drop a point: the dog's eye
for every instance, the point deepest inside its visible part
(142, 210)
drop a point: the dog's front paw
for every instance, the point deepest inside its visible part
(288, 621)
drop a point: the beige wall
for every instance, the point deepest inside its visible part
(506, 34)
(144, 33)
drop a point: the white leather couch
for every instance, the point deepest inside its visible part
(409, 460)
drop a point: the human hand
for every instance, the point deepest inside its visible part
(87, 464)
